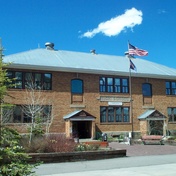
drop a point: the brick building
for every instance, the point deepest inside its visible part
(90, 93)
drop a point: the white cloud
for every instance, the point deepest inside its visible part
(116, 25)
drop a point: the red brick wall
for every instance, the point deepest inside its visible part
(61, 99)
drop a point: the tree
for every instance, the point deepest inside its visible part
(5, 82)
(33, 105)
(13, 159)
(37, 108)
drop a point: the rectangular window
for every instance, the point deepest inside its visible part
(147, 90)
(77, 86)
(114, 85)
(170, 88)
(23, 80)
(171, 114)
(115, 114)
(18, 114)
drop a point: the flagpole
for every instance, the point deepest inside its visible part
(132, 50)
(130, 91)
(131, 102)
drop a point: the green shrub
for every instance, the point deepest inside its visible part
(13, 159)
(86, 147)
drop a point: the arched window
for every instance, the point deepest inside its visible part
(146, 89)
(76, 86)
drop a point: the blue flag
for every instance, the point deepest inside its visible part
(132, 66)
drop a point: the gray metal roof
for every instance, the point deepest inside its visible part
(71, 114)
(69, 61)
(146, 114)
(74, 116)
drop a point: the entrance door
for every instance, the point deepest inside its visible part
(156, 127)
(82, 129)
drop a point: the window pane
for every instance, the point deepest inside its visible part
(117, 85)
(118, 114)
(169, 111)
(102, 114)
(28, 77)
(17, 114)
(146, 89)
(102, 84)
(18, 84)
(109, 84)
(47, 81)
(171, 114)
(18, 80)
(170, 88)
(47, 77)
(124, 82)
(47, 113)
(110, 114)
(28, 80)
(173, 91)
(18, 75)
(126, 114)
(124, 85)
(37, 79)
(26, 118)
(167, 84)
(173, 84)
(9, 74)
(77, 86)
(174, 110)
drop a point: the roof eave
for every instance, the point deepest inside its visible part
(90, 71)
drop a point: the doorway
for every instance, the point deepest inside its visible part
(82, 129)
(156, 127)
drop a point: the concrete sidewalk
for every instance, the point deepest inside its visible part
(156, 170)
(154, 165)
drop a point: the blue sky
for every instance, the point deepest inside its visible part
(82, 25)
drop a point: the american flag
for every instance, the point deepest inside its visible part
(136, 51)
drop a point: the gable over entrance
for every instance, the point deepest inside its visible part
(152, 115)
(79, 124)
(79, 115)
(152, 122)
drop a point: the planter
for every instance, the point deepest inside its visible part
(76, 156)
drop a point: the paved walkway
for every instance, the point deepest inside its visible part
(143, 150)
(141, 160)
